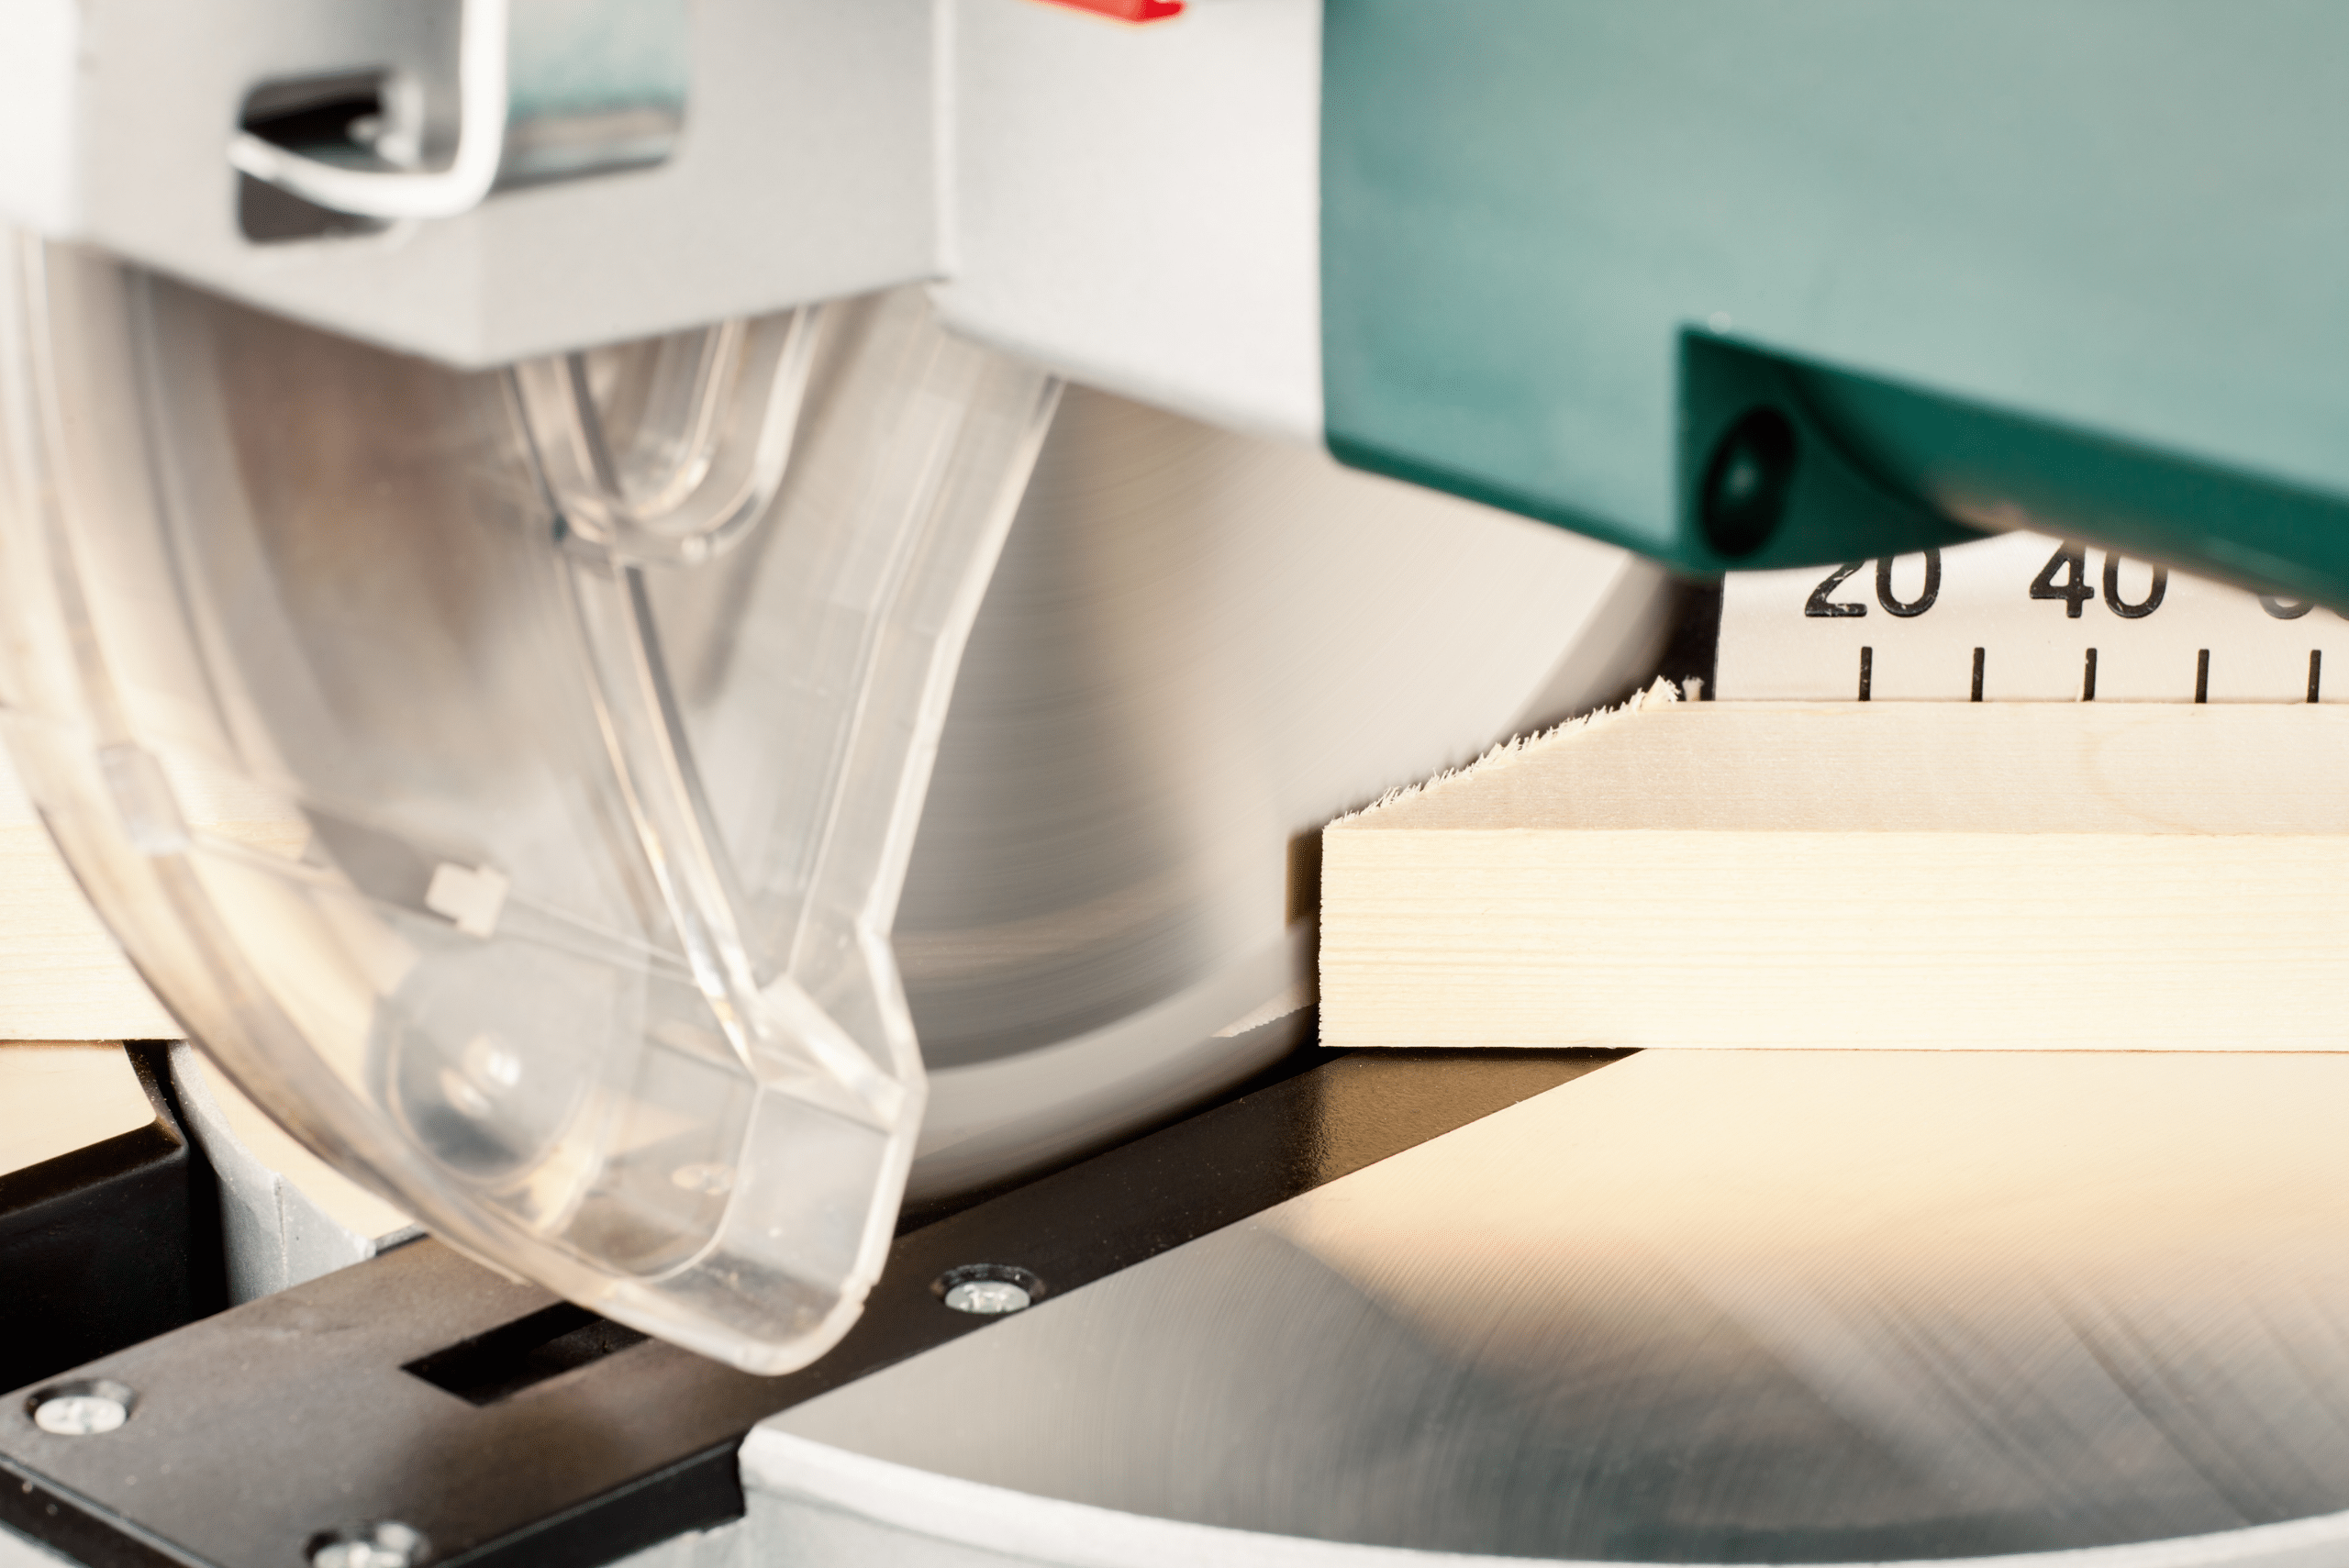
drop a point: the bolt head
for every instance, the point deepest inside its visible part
(986, 1297)
(87, 1408)
(381, 1543)
(989, 1290)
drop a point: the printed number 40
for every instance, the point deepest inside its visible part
(2072, 560)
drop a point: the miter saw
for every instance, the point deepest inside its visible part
(499, 495)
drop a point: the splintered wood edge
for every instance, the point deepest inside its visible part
(1507, 753)
(2003, 767)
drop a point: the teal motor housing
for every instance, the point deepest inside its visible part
(1777, 282)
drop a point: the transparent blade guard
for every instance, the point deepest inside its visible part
(508, 778)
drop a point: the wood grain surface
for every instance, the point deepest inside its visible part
(1849, 877)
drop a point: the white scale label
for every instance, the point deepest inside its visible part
(2021, 618)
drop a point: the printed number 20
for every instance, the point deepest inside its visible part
(1820, 603)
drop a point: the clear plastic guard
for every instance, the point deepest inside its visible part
(508, 778)
(664, 453)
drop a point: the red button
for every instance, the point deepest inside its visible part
(1125, 10)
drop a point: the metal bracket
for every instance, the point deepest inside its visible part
(546, 89)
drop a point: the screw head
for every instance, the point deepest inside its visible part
(374, 1543)
(1743, 497)
(85, 1408)
(989, 1290)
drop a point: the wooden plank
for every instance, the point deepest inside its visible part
(59, 1095)
(1849, 876)
(63, 975)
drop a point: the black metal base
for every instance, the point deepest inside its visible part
(509, 1429)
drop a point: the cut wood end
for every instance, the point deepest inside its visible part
(1506, 753)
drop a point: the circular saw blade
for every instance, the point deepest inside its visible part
(1199, 647)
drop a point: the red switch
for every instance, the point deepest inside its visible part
(1125, 10)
